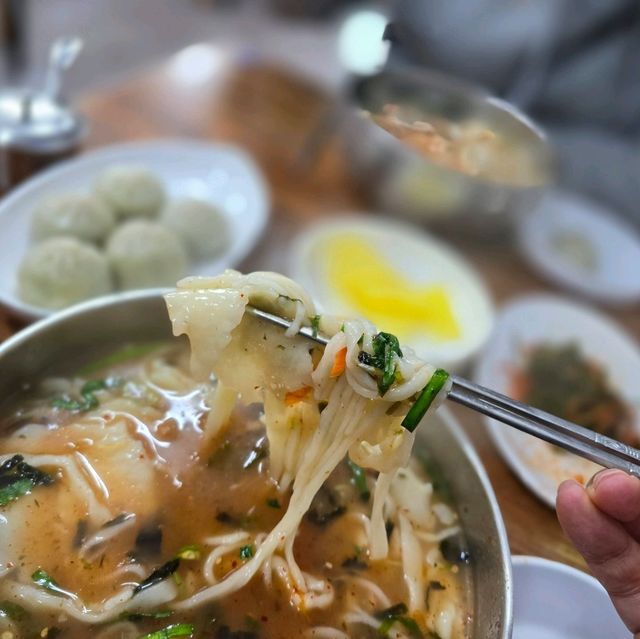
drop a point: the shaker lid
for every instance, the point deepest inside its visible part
(34, 121)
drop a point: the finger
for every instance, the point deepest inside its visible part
(611, 553)
(618, 495)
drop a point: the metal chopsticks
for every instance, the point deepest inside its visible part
(598, 448)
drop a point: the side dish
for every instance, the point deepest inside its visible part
(559, 379)
(468, 146)
(145, 238)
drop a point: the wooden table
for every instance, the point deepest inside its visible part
(269, 112)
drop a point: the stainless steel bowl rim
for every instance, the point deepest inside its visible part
(23, 337)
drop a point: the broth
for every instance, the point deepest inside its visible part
(134, 491)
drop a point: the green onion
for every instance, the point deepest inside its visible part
(12, 611)
(425, 399)
(359, 480)
(246, 552)
(315, 325)
(46, 581)
(190, 552)
(385, 346)
(17, 478)
(174, 630)
(158, 575)
(396, 614)
(89, 400)
(273, 503)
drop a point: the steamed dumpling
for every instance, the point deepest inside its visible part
(72, 214)
(130, 191)
(145, 255)
(201, 226)
(61, 271)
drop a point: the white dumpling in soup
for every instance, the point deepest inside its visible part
(62, 271)
(72, 214)
(103, 473)
(130, 190)
(202, 226)
(146, 254)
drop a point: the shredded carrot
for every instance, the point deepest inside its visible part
(298, 395)
(579, 478)
(339, 363)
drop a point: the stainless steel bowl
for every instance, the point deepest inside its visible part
(77, 336)
(404, 181)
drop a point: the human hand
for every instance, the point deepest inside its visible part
(603, 523)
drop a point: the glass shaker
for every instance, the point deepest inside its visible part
(37, 127)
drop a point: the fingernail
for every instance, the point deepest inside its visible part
(600, 476)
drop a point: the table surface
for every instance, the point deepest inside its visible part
(270, 112)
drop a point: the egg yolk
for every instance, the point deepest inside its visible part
(369, 284)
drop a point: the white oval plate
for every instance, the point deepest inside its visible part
(224, 175)
(419, 257)
(543, 318)
(554, 601)
(601, 252)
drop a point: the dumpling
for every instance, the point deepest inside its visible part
(72, 214)
(61, 271)
(145, 255)
(201, 226)
(131, 191)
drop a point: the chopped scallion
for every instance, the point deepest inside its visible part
(425, 399)
(246, 552)
(174, 630)
(315, 325)
(190, 552)
(359, 480)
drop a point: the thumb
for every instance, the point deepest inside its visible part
(611, 553)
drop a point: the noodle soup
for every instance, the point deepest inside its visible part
(163, 502)
(121, 515)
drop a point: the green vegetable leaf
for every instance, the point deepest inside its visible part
(190, 552)
(385, 349)
(174, 630)
(46, 581)
(17, 478)
(158, 575)
(12, 611)
(397, 614)
(246, 552)
(15, 490)
(425, 399)
(359, 480)
(89, 400)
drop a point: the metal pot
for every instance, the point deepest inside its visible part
(401, 180)
(68, 340)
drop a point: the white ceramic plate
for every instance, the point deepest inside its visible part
(224, 175)
(582, 246)
(422, 260)
(532, 320)
(553, 601)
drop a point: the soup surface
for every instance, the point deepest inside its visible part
(115, 510)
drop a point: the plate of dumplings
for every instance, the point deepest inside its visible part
(125, 217)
